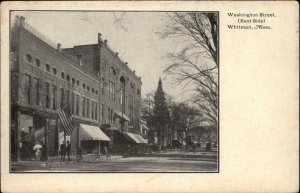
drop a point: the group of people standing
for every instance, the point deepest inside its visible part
(65, 149)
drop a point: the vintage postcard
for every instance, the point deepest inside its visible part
(149, 96)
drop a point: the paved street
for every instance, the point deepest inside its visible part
(175, 161)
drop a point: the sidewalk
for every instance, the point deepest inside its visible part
(55, 161)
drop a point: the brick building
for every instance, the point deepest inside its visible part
(89, 82)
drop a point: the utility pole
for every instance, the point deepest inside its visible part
(46, 134)
(18, 137)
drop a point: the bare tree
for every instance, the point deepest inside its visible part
(196, 62)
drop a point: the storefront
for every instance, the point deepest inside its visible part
(92, 139)
(30, 128)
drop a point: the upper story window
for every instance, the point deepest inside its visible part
(112, 71)
(73, 80)
(54, 71)
(29, 58)
(37, 62)
(93, 91)
(63, 75)
(138, 91)
(83, 86)
(96, 91)
(131, 85)
(47, 67)
(68, 78)
(77, 83)
(88, 88)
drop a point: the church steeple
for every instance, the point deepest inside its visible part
(161, 114)
(159, 94)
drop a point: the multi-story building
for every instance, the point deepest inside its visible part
(89, 82)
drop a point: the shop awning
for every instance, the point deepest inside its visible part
(131, 137)
(119, 115)
(89, 132)
(140, 138)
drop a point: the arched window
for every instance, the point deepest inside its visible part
(131, 85)
(93, 90)
(96, 91)
(63, 75)
(112, 71)
(54, 71)
(68, 78)
(47, 67)
(73, 80)
(77, 82)
(83, 86)
(37, 62)
(88, 88)
(29, 58)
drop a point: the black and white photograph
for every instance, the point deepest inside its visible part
(149, 96)
(109, 91)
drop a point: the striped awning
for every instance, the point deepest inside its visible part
(89, 132)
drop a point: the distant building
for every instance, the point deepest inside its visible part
(90, 83)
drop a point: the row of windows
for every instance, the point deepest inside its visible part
(63, 76)
(36, 95)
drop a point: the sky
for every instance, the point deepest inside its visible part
(132, 34)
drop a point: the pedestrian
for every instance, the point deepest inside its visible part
(68, 150)
(43, 151)
(128, 150)
(37, 148)
(194, 147)
(79, 154)
(63, 151)
(106, 152)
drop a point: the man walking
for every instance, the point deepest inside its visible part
(68, 150)
(63, 151)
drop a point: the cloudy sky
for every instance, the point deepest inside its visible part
(132, 34)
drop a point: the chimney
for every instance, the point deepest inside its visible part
(22, 21)
(99, 37)
(59, 47)
(17, 20)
